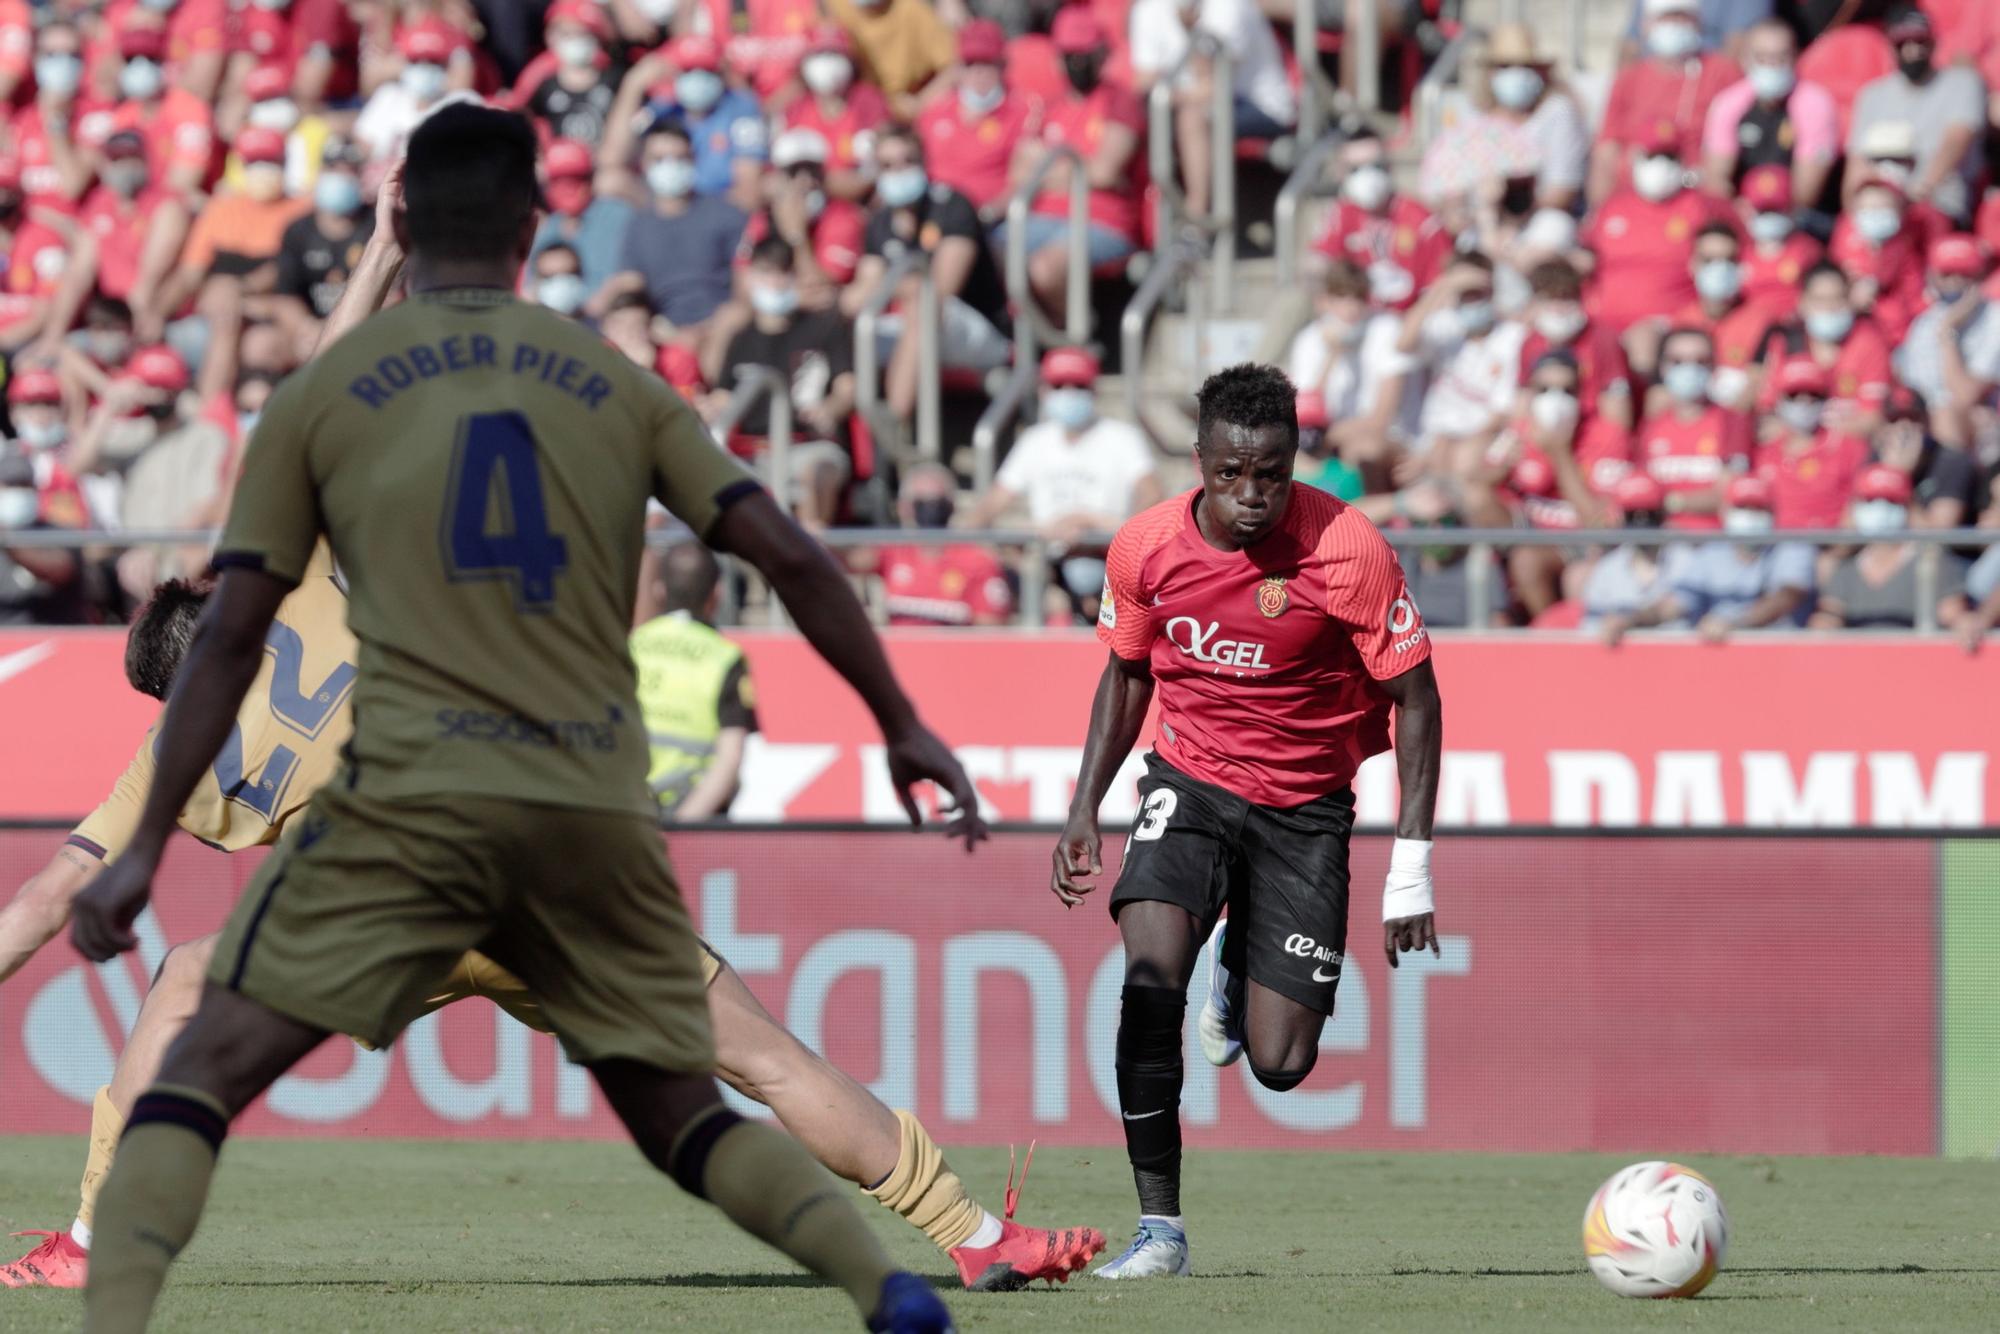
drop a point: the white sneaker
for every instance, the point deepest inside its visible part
(1160, 1250)
(1220, 1026)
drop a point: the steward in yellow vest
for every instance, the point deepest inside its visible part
(694, 690)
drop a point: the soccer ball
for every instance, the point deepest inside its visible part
(1655, 1230)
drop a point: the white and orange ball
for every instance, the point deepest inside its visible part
(1655, 1230)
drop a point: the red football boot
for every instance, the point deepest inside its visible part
(57, 1263)
(1024, 1254)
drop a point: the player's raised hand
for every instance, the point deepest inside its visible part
(1403, 934)
(917, 756)
(388, 203)
(103, 911)
(1078, 857)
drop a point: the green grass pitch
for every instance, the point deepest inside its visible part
(492, 1237)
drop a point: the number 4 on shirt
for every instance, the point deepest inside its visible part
(495, 523)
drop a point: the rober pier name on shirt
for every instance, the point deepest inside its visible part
(397, 371)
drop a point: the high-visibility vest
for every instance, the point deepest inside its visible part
(683, 667)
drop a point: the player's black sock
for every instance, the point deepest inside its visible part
(1149, 1092)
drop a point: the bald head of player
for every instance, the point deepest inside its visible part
(1246, 437)
(470, 198)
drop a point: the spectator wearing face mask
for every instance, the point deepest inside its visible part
(1349, 355)
(725, 127)
(555, 279)
(677, 250)
(177, 127)
(1742, 581)
(827, 236)
(41, 429)
(1850, 348)
(235, 238)
(1735, 325)
(1318, 463)
(1103, 123)
(1644, 241)
(763, 45)
(1667, 91)
(573, 99)
(56, 169)
(1692, 446)
(591, 223)
(1471, 362)
(262, 32)
(40, 262)
(1079, 475)
(1946, 109)
(428, 49)
(1771, 117)
(970, 133)
(1951, 353)
(958, 583)
(170, 466)
(1556, 318)
(1875, 588)
(1724, 25)
(899, 46)
(268, 91)
(1631, 578)
(914, 212)
(93, 354)
(325, 53)
(846, 115)
(319, 250)
(1527, 116)
(38, 586)
(814, 351)
(1947, 488)
(137, 231)
(1779, 253)
(1810, 466)
(1394, 239)
(1882, 253)
(1162, 32)
(197, 41)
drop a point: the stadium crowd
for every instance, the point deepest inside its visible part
(1758, 292)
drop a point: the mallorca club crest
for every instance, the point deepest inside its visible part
(1271, 596)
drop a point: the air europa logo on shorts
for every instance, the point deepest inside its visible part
(1199, 642)
(1305, 947)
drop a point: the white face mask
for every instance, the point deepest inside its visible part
(1877, 224)
(1879, 516)
(776, 301)
(670, 177)
(1770, 228)
(1367, 187)
(575, 51)
(1771, 82)
(1554, 410)
(1747, 522)
(826, 73)
(140, 80)
(280, 114)
(1658, 178)
(977, 103)
(659, 11)
(1071, 408)
(18, 506)
(41, 435)
(1560, 326)
(424, 81)
(1516, 87)
(1673, 39)
(561, 292)
(1801, 414)
(58, 74)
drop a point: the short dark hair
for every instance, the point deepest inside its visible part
(1472, 259)
(902, 134)
(1345, 278)
(1821, 269)
(1719, 227)
(631, 301)
(1249, 395)
(1556, 278)
(689, 573)
(773, 252)
(1688, 331)
(670, 129)
(108, 310)
(469, 187)
(161, 631)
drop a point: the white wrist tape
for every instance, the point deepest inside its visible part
(1408, 890)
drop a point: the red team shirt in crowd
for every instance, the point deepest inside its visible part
(1859, 370)
(836, 237)
(972, 156)
(849, 134)
(942, 585)
(1266, 659)
(1080, 122)
(768, 51)
(1600, 365)
(1698, 455)
(1603, 452)
(34, 267)
(178, 133)
(1896, 267)
(41, 181)
(1645, 253)
(120, 226)
(1773, 280)
(1810, 487)
(17, 46)
(1738, 335)
(1402, 249)
(1650, 100)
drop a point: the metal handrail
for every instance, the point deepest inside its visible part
(1006, 405)
(1220, 220)
(753, 383)
(868, 362)
(1366, 35)
(1076, 296)
(1168, 267)
(1304, 181)
(1315, 93)
(1429, 100)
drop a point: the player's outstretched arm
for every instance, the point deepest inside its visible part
(221, 663)
(1407, 921)
(41, 907)
(376, 273)
(822, 604)
(1117, 712)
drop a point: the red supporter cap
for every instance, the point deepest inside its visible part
(267, 83)
(429, 42)
(1878, 481)
(1660, 137)
(1637, 491)
(1076, 31)
(1904, 405)
(982, 42)
(258, 145)
(1748, 492)
(1312, 410)
(159, 367)
(34, 385)
(568, 160)
(1768, 188)
(1803, 375)
(142, 39)
(1064, 366)
(694, 53)
(1958, 255)
(583, 13)
(830, 37)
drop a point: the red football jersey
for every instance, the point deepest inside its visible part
(1266, 659)
(1810, 486)
(1403, 250)
(1738, 334)
(1660, 97)
(1772, 279)
(1645, 252)
(1694, 455)
(1080, 123)
(1603, 453)
(1600, 364)
(850, 135)
(120, 226)
(1897, 266)
(942, 585)
(972, 156)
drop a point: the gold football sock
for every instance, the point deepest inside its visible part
(106, 1125)
(771, 1188)
(925, 1190)
(152, 1201)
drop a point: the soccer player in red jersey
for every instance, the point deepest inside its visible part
(1276, 626)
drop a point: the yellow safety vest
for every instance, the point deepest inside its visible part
(692, 684)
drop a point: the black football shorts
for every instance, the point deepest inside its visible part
(1282, 874)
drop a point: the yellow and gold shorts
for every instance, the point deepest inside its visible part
(569, 919)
